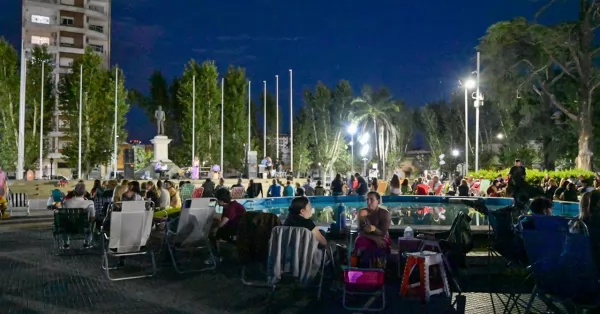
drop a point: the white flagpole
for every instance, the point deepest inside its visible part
(264, 119)
(80, 115)
(277, 116)
(249, 110)
(116, 117)
(222, 119)
(22, 92)
(42, 124)
(193, 118)
(291, 126)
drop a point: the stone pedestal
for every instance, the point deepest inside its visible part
(161, 148)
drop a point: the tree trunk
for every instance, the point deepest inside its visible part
(584, 156)
(549, 162)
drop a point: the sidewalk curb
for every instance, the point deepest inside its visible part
(25, 220)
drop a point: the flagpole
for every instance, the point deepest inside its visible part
(222, 119)
(249, 111)
(80, 115)
(277, 117)
(22, 92)
(193, 118)
(42, 124)
(264, 119)
(291, 125)
(116, 117)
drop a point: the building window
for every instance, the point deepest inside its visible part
(67, 41)
(97, 28)
(69, 21)
(66, 62)
(40, 19)
(97, 48)
(39, 40)
(67, 2)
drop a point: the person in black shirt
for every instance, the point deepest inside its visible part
(299, 215)
(362, 187)
(337, 186)
(517, 178)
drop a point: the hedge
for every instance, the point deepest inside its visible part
(536, 175)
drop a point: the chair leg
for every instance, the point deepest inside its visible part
(531, 299)
(248, 283)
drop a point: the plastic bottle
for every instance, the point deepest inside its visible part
(340, 216)
(408, 232)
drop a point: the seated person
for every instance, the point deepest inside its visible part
(319, 189)
(463, 188)
(274, 190)
(225, 226)
(299, 215)
(79, 201)
(589, 213)
(539, 206)
(374, 223)
(494, 189)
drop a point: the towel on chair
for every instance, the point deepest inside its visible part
(293, 250)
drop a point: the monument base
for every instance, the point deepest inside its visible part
(161, 148)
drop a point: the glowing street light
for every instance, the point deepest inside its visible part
(364, 150)
(500, 136)
(352, 128)
(455, 152)
(468, 84)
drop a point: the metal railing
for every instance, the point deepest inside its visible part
(97, 8)
(44, 1)
(96, 28)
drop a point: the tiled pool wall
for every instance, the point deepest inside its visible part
(560, 208)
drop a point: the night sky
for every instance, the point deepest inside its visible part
(418, 49)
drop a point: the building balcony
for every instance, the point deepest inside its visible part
(96, 11)
(96, 32)
(71, 49)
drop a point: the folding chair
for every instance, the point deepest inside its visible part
(561, 264)
(128, 234)
(197, 193)
(252, 243)
(238, 192)
(289, 253)
(72, 224)
(362, 281)
(190, 232)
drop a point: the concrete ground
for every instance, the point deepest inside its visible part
(34, 280)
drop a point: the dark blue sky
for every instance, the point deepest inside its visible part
(418, 49)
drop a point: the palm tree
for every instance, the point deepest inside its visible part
(373, 110)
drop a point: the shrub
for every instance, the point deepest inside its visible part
(534, 175)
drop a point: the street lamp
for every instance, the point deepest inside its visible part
(352, 128)
(455, 152)
(500, 136)
(363, 152)
(468, 84)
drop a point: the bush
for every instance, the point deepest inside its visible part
(534, 175)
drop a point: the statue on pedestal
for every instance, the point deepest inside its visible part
(159, 115)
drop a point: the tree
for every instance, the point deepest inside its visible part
(39, 57)
(271, 105)
(302, 140)
(97, 113)
(329, 113)
(372, 110)
(549, 54)
(9, 105)
(236, 118)
(207, 126)
(142, 157)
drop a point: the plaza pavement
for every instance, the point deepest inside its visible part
(34, 280)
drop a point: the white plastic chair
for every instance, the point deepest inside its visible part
(193, 229)
(128, 235)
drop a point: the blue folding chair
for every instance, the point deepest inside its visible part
(561, 264)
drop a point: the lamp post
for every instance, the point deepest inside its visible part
(42, 122)
(352, 130)
(469, 84)
(363, 152)
(478, 103)
(51, 166)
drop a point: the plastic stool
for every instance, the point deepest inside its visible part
(424, 260)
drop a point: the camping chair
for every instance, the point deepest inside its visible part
(190, 232)
(198, 192)
(289, 253)
(561, 264)
(362, 281)
(72, 224)
(128, 234)
(252, 243)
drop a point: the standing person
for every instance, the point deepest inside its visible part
(517, 178)
(337, 186)
(2, 182)
(196, 168)
(362, 187)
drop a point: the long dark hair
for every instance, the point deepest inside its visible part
(395, 182)
(298, 204)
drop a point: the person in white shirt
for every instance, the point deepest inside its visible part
(79, 201)
(165, 198)
(434, 184)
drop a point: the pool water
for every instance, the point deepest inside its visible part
(405, 210)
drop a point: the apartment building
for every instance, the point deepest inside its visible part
(67, 27)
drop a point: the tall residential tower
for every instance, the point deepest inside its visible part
(67, 27)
